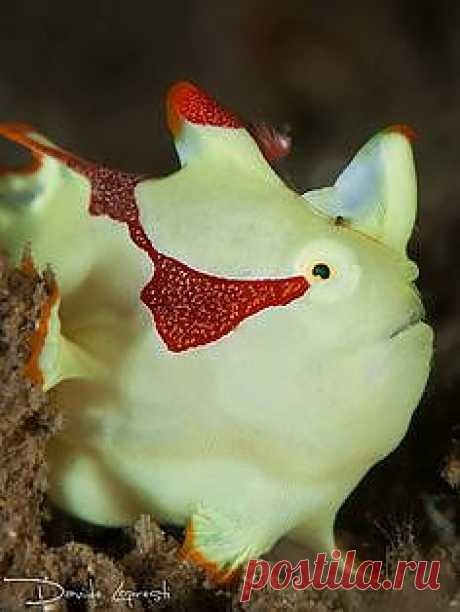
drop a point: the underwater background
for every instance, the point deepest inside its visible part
(93, 77)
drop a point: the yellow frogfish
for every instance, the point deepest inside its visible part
(230, 355)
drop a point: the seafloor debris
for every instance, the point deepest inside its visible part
(36, 540)
(451, 471)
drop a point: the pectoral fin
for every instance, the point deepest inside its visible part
(53, 357)
(222, 544)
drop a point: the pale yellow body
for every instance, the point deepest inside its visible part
(266, 431)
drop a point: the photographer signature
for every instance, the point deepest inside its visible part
(48, 591)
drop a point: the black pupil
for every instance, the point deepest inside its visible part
(321, 270)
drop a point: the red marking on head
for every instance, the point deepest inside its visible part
(112, 191)
(186, 101)
(403, 129)
(189, 308)
(273, 144)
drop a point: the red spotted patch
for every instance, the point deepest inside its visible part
(186, 101)
(189, 308)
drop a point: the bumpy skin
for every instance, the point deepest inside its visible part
(263, 427)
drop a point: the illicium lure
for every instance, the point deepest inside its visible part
(229, 355)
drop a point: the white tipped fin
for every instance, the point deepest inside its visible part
(377, 191)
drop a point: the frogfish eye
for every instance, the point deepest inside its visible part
(321, 270)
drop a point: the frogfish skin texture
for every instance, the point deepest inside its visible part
(229, 354)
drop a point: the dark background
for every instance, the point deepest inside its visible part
(92, 76)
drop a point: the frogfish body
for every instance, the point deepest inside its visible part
(229, 355)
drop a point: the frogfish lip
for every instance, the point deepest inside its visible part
(413, 319)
